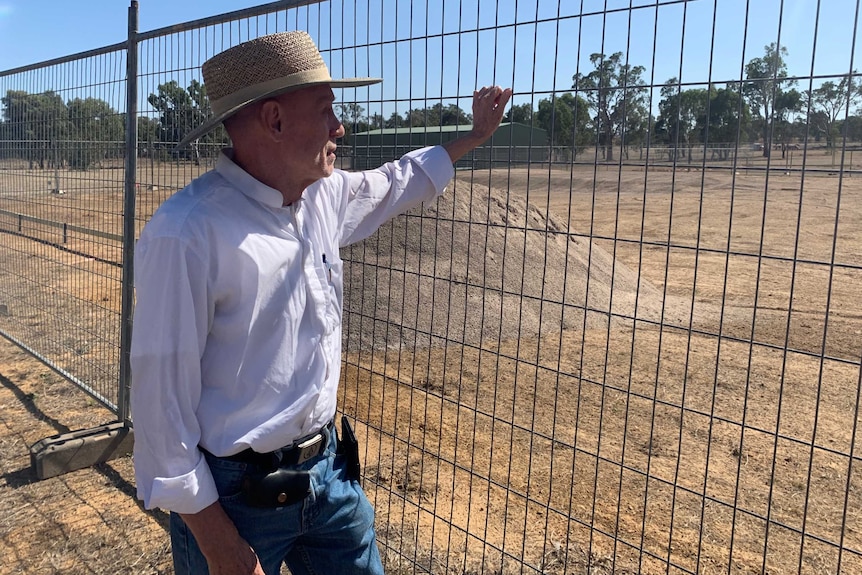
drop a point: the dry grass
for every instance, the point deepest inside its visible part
(523, 459)
(86, 522)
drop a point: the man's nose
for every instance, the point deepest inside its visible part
(339, 131)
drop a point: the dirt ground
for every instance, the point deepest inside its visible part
(702, 419)
(83, 522)
(719, 440)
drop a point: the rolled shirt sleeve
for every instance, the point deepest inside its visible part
(187, 493)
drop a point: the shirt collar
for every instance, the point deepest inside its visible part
(245, 182)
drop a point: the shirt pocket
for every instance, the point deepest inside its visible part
(335, 291)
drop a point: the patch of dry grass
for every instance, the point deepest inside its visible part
(85, 522)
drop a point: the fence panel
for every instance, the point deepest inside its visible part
(625, 341)
(633, 355)
(61, 199)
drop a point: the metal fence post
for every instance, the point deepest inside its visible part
(128, 287)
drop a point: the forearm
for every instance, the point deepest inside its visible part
(211, 527)
(460, 147)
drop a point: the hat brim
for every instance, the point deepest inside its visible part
(217, 119)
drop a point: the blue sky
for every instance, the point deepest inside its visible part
(536, 48)
(36, 30)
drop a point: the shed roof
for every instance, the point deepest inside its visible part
(431, 129)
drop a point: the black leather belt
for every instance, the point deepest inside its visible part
(300, 452)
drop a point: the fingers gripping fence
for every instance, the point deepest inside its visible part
(625, 341)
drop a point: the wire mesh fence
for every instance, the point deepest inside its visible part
(627, 340)
(61, 190)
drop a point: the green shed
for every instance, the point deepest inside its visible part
(512, 143)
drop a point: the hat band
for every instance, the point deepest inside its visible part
(251, 93)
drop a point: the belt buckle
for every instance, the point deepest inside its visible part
(309, 448)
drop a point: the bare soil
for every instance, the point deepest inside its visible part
(81, 523)
(596, 371)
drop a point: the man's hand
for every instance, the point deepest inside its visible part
(489, 104)
(239, 559)
(226, 552)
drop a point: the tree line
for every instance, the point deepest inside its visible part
(48, 132)
(611, 110)
(39, 128)
(608, 107)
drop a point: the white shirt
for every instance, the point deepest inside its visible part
(237, 333)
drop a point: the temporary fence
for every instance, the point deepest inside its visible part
(627, 339)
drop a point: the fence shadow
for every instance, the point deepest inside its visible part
(26, 400)
(27, 475)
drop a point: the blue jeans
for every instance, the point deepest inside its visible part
(331, 531)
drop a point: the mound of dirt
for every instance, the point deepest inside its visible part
(478, 265)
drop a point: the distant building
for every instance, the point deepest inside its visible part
(512, 143)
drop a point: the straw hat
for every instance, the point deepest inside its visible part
(262, 68)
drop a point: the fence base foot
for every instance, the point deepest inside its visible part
(67, 452)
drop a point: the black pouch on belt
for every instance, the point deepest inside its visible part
(278, 488)
(349, 448)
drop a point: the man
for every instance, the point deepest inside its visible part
(237, 335)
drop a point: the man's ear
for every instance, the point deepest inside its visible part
(270, 117)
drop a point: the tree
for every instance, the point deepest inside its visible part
(829, 102)
(520, 114)
(95, 120)
(97, 132)
(557, 119)
(352, 117)
(451, 115)
(682, 115)
(148, 137)
(437, 115)
(565, 118)
(787, 103)
(717, 118)
(764, 90)
(851, 128)
(176, 111)
(418, 117)
(616, 92)
(39, 121)
(375, 122)
(728, 122)
(148, 130)
(637, 127)
(395, 121)
(182, 110)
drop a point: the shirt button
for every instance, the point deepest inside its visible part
(282, 497)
